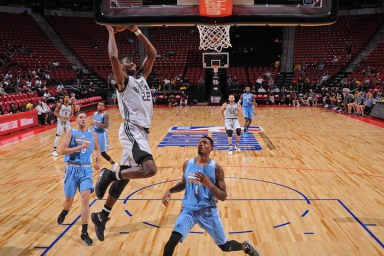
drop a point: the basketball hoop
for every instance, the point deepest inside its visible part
(215, 68)
(214, 37)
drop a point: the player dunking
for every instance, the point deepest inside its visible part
(63, 113)
(229, 111)
(203, 182)
(100, 124)
(247, 99)
(135, 104)
(77, 146)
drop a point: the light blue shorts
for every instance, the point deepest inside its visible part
(248, 113)
(77, 178)
(208, 219)
(102, 139)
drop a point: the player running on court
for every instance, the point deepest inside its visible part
(100, 124)
(229, 112)
(77, 146)
(203, 182)
(63, 113)
(248, 101)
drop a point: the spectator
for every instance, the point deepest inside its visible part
(55, 64)
(84, 92)
(259, 80)
(30, 105)
(335, 60)
(2, 91)
(1, 110)
(268, 74)
(348, 49)
(13, 109)
(41, 108)
(60, 86)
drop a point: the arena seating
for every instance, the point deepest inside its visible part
(315, 44)
(90, 42)
(39, 50)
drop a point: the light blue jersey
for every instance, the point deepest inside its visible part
(82, 157)
(247, 99)
(198, 196)
(199, 204)
(98, 119)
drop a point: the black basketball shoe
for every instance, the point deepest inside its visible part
(103, 182)
(249, 249)
(87, 240)
(99, 220)
(61, 217)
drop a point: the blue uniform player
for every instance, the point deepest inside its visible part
(203, 182)
(77, 146)
(247, 100)
(100, 124)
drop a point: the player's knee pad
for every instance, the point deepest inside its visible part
(238, 131)
(229, 133)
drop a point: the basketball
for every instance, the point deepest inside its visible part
(120, 29)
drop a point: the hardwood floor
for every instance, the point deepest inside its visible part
(315, 188)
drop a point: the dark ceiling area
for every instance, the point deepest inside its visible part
(87, 5)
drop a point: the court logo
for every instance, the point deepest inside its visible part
(189, 136)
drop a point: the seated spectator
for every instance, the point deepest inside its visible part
(268, 74)
(2, 91)
(60, 86)
(84, 92)
(335, 60)
(276, 89)
(261, 89)
(38, 82)
(30, 105)
(259, 80)
(366, 108)
(55, 64)
(13, 109)
(22, 108)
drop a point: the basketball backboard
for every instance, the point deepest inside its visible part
(211, 59)
(224, 12)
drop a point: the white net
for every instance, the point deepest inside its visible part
(214, 37)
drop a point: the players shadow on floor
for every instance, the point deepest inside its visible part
(167, 222)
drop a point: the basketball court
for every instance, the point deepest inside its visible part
(307, 181)
(313, 189)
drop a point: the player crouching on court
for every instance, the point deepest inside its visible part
(229, 112)
(77, 146)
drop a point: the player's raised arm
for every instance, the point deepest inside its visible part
(149, 48)
(113, 54)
